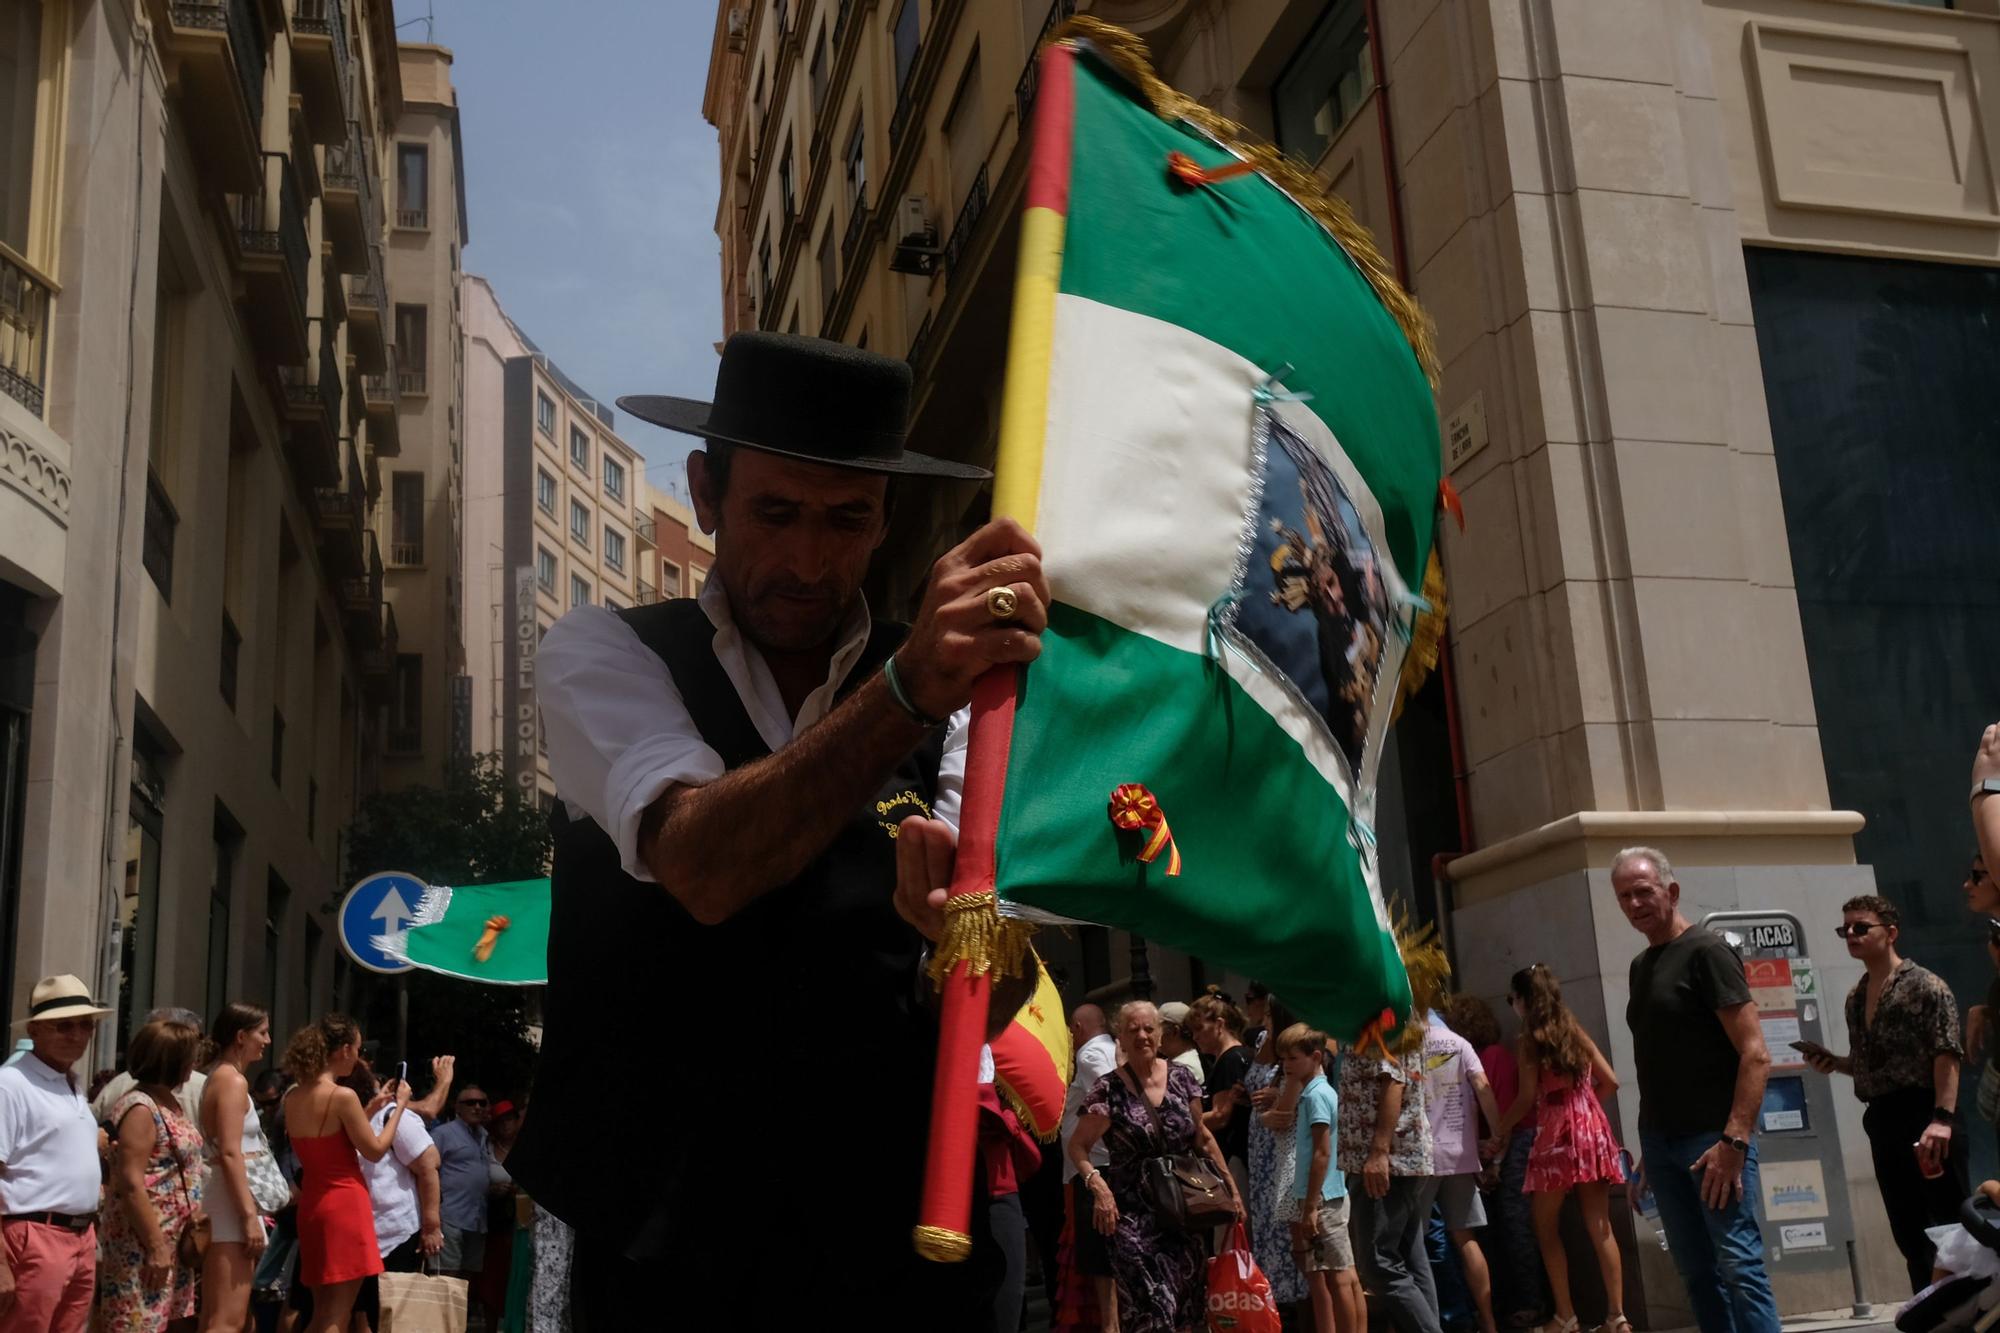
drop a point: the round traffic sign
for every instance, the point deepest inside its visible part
(381, 905)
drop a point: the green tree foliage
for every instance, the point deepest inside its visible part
(473, 830)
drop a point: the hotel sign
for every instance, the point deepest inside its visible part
(525, 747)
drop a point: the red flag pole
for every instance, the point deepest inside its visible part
(944, 1219)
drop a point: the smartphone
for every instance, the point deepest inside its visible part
(402, 1072)
(1809, 1049)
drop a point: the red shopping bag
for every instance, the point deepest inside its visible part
(1239, 1295)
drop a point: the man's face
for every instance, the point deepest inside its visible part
(1981, 894)
(473, 1105)
(792, 543)
(1647, 901)
(1867, 938)
(61, 1042)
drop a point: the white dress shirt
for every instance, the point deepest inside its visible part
(392, 1186)
(619, 734)
(1094, 1059)
(48, 1141)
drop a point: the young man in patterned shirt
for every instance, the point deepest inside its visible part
(1903, 1026)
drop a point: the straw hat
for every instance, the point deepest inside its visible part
(61, 997)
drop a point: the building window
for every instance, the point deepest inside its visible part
(277, 898)
(818, 72)
(412, 348)
(221, 890)
(579, 523)
(697, 580)
(413, 185)
(764, 274)
(545, 491)
(614, 548)
(828, 287)
(579, 449)
(614, 478)
(545, 413)
(856, 160)
(778, 7)
(312, 809)
(1325, 83)
(545, 568)
(579, 591)
(757, 110)
(406, 708)
(787, 186)
(670, 579)
(406, 518)
(277, 749)
(232, 649)
(906, 45)
(613, 604)
(158, 550)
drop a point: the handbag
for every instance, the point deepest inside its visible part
(191, 1246)
(269, 1189)
(1183, 1189)
(422, 1303)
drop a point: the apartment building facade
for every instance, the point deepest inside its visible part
(1713, 283)
(556, 518)
(197, 641)
(429, 718)
(682, 553)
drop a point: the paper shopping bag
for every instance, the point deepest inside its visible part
(421, 1303)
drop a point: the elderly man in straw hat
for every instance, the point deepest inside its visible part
(50, 1148)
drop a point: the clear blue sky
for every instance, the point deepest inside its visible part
(591, 182)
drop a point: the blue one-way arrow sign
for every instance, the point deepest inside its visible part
(381, 904)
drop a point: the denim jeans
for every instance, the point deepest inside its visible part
(1719, 1251)
(1520, 1283)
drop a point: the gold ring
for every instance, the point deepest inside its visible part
(1001, 603)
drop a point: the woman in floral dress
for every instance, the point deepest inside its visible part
(1159, 1273)
(1272, 1160)
(1562, 1076)
(155, 1191)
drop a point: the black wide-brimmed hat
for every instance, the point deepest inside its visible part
(805, 398)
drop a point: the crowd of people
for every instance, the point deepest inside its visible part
(183, 1192)
(1385, 1174)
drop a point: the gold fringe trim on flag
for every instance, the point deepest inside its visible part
(940, 1245)
(1126, 53)
(1429, 972)
(1023, 1114)
(1426, 637)
(975, 933)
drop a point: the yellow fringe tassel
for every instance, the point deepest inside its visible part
(941, 1246)
(1126, 53)
(1429, 972)
(1426, 637)
(1022, 1113)
(975, 933)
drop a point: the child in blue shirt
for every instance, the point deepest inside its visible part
(1320, 1242)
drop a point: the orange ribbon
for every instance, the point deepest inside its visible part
(1135, 809)
(1191, 173)
(1448, 497)
(484, 949)
(1376, 1035)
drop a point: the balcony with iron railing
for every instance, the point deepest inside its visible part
(962, 230)
(1025, 88)
(413, 381)
(272, 251)
(920, 344)
(320, 65)
(648, 594)
(312, 411)
(646, 530)
(361, 594)
(857, 219)
(899, 120)
(367, 316)
(25, 297)
(220, 49)
(347, 199)
(381, 398)
(341, 513)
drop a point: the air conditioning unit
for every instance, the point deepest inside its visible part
(917, 238)
(738, 26)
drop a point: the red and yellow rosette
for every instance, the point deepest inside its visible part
(1134, 808)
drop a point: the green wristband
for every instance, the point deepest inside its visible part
(894, 680)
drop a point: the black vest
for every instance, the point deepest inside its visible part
(653, 1020)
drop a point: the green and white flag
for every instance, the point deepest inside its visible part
(1219, 425)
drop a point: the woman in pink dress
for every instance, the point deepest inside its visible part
(1562, 1075)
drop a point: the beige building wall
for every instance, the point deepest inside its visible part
(192, 561)
(553, 521)
(681, 553)
(419, 526)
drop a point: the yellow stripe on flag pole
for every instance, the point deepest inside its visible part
(1024, 407)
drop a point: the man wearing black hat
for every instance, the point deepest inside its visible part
(739, 774)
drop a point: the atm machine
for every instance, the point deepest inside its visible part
(1802, 1188)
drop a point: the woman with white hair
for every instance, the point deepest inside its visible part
(1148, 1107)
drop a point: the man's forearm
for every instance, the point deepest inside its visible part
(1751, 1071)
(428, 1211)
(1944, 1081)
(1386, 1117)
(718, 848)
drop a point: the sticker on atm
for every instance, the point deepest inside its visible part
(1793, 1191)
(1780, 1031)
(1770, 981)
(1805, 982)
(1803, 1236)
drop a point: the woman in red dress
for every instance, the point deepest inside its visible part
(1562, 1076)
(327, 1127)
